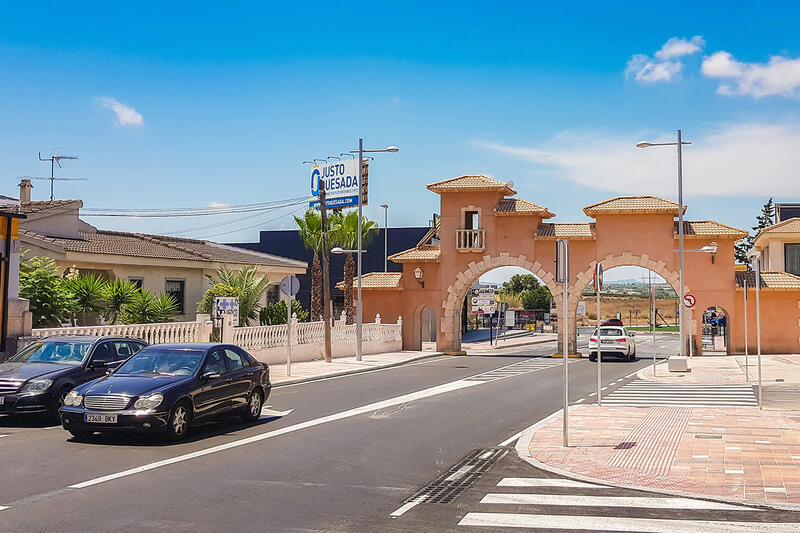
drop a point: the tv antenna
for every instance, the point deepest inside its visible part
(55, 159)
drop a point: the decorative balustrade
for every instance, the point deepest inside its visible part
(470, 239)
(260, 337)
(151, 333)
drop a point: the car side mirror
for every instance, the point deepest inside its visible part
(211, 375)
(633, 334)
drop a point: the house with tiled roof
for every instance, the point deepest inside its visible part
(779, 246)
(159, 263)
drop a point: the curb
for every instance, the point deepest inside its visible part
(309, 379)
(508, 347)
(523, 452)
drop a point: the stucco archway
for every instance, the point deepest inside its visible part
(449, 338)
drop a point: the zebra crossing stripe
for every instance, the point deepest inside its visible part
(643, 392)
(614, 523)
(610, 501)
(544, 482)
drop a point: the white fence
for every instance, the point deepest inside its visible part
(266, 343)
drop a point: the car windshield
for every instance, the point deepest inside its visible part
(163, 361)
(609, 332)
(52, 351)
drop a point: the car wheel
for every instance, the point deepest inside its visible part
(179, 420)
(592, 357)
(254, 404)
(81, 434)
(58, 401)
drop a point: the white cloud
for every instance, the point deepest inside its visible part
(665, 65)
(779, 76)
(126, 115)
(732, 160)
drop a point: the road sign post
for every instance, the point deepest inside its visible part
(290, 286)
(598, 286)
(689, 302)
(562, 275)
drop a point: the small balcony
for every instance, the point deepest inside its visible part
(470, 240)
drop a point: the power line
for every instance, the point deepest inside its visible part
(194, 211)
(254, 225)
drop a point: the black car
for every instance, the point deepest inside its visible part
(36, 380)
(167, 387)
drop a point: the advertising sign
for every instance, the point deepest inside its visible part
(227, 305)
(340, 179)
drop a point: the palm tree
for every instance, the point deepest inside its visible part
(87, 293)
(251, 286)
(344, 232)
(147, 308)
(116, 295)
(311, 232)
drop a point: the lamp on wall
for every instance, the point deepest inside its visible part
(711, 249)
(418, 274)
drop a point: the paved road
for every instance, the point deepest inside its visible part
(351, 449)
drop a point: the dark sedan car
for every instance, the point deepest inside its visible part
(36, 380)
(167, 387)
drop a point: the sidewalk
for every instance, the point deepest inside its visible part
(732, 453)
(319, 369)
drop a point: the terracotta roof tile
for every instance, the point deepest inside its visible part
(423, 253)
(769, 280)
(377, 280)
(709, 228)
(791, 225)
(569, 230)
(38, 207)
(632, 204)
(471, 183)
(518, 206)
(158, 247)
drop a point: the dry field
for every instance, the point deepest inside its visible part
(610, 306)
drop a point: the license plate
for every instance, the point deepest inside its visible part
(2, 400)
(606, 342)
(100, 419)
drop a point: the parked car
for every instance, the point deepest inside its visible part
(614, 340)
(612, 322)
(38, 378)
(165, 388)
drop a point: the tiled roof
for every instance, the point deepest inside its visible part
(471, 183)
(769, 280)
(423, 253)
(631, 205)
(518, 206)
(377, 280)
(38, 207)
(791, 225)
(709, 228)
(158, 247)
(569, 230)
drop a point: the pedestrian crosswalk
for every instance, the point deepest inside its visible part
(565, 504)
(646, 393)
(516, 369)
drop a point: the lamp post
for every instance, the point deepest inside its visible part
(755, 260)
(385, 237)
(361, 152)
(679, 143)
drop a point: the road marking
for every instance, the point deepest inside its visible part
(544, 482)
(272, 413)
(609, 501)
(576, 401)
(410, 505)
(459, 473)
(3, 507)
(425, 393)
(612, 523)
(1, 436)
(510, 439)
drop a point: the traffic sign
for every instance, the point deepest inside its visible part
(689, 300)
(227, 305)
(290, 285)
(598, 278)
(483, 310)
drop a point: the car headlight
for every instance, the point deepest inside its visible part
(149, 402)
(73, 399)
(36, 386)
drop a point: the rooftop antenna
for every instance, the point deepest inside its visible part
(55, 159)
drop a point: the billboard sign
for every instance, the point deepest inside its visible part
(340, 179)
(227, 305)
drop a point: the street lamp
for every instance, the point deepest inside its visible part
(359, 307)
(385, 237)
(679, 143)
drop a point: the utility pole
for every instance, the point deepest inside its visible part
(326, 287)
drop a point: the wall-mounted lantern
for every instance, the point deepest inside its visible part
(418, 274)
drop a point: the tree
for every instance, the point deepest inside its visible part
(147, 308)
(276, 313)
(310, 227)
(87, 292)
(520, 283)
(538, 298)
(39, 282)
(344, 233)
(116, 295)
(251, 288)
(765, 219)
(219, 290)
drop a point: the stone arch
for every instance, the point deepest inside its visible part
(450, 323)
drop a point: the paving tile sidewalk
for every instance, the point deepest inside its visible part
(311, 370)
(738, 453)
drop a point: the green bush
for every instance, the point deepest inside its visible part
(50, 301)
(276, 313)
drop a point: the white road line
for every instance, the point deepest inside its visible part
(3, 507)
(410, 505)
(544, 482)
(1, 436)
(613, 523)
(609, 501)
(510, 439)
(458, 473)
(576, 401)
(425, 393)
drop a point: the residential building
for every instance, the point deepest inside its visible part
(779, 246)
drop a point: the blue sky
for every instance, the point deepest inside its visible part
(201, 104)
